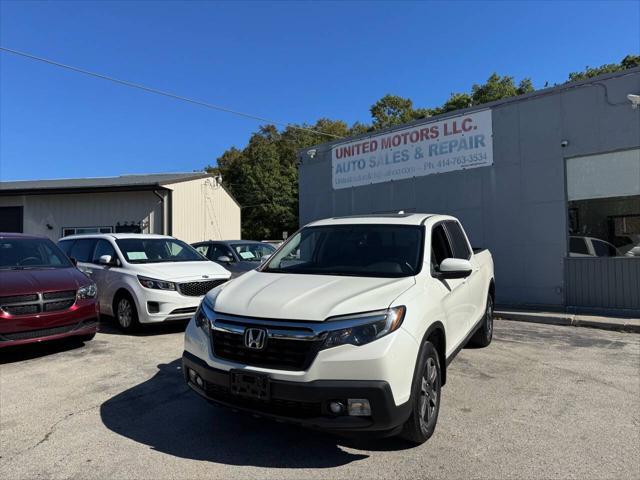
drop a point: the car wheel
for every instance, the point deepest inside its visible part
(483, 336)
(126, 313)
(425, 397)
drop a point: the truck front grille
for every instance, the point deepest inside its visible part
(197, 289)
(278, 353)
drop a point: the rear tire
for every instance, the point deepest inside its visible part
(425, 398)
(484, 334)
(126, 313)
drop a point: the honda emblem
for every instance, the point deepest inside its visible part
(255, 338)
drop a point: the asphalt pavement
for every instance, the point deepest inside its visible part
(541, 401)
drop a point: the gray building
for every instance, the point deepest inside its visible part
(190, 206)
(549, 181)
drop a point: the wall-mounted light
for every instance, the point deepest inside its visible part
(312, 152)
(634, 99)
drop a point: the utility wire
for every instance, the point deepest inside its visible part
(161, 92)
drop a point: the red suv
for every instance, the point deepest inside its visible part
(43, 296)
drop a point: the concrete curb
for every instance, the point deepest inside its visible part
(566, 319)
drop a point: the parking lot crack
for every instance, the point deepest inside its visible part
(53, 427)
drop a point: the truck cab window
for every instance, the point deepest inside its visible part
(440, 248)
(460, 246)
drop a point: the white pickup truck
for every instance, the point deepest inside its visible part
(348, 327)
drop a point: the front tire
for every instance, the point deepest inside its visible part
(482, 337)
(425, 398)
(126, 313)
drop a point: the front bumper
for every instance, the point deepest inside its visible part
(157, 306)
(305, 403)
(81, 319)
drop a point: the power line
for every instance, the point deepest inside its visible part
(161, 92)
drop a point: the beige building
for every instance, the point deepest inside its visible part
(188, 206)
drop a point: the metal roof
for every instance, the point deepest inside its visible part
(123, 182)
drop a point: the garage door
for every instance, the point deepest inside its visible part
(11, 219)
(603, 266)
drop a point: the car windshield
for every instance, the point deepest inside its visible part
(156, 250)
(31, 253)
(253, 252)
(353, 250)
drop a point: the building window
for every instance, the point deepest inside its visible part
(604, 205)
(66, 231)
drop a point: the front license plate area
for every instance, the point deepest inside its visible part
(251, 385)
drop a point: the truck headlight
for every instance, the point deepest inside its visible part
(88, 291)
(205, 312)
(201, 319)
(365, 327)
(156, 284)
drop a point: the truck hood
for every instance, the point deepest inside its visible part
(306, 297)
(24, 282)
(180, 271)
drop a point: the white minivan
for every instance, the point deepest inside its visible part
(144, 278)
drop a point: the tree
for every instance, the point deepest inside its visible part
(263, 176)
(630, 61)
(497, 87)
(392, 110)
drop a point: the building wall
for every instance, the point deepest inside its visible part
(87, 210)
(517, 206)
(202, 210)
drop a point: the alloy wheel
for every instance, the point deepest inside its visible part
(429, 393)
(125, 313)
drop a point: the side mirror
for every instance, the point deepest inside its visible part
(224, 259)
(106, 260)
(455, 268)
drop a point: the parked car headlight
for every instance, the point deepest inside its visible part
(88, 291)
(156, 284)
(366, 327)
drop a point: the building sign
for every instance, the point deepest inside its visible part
(456, 143)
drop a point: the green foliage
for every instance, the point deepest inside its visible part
(393, 110)
(629, 61)
(263, 176)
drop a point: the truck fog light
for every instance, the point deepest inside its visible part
(195, 378)
(359, 407)
(336, 407)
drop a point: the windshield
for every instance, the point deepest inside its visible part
(31, 253)
(253, 252)
(355, 250)
(156, 250)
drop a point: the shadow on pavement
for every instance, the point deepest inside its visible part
(29, 351)
(109, 326)
(166, 415)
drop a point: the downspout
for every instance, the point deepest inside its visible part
(166, 219)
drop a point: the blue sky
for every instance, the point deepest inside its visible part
(288, 61)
